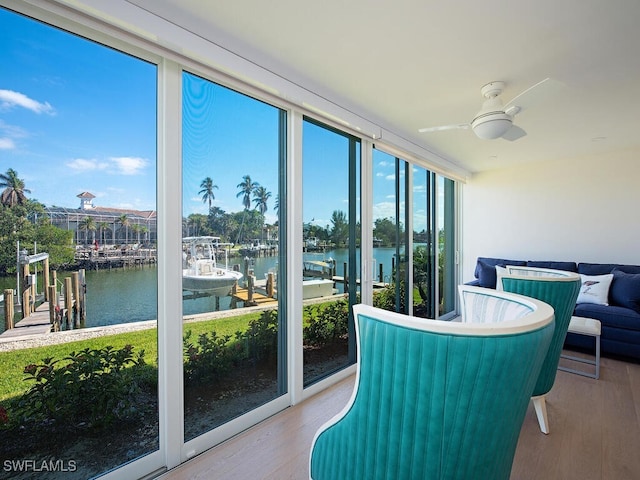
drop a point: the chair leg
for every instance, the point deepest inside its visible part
(541, 412)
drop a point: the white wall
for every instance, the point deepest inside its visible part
(582, 210)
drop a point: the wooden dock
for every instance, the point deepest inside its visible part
(242, 295)
(90, 259)
(35, 325)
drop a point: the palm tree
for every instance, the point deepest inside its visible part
(124, 221)
(246, 187)
(14, 191)
(260, 197)
(144, 230)
(207, 187)
(102, 226)
(135, 228)
(89, 225)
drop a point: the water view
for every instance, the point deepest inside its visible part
(123, 295)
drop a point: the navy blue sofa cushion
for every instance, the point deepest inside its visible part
(486, 270)
(625, 289)
(620, 320)
(568, 266)
(604, 268)
(611, 315)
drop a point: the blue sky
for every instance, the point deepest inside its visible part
(76, 116)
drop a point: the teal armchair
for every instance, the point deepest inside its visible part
(559, 289)
(435, 399)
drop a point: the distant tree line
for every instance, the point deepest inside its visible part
(24, 220)
(237, 227)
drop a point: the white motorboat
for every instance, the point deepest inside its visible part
(201, 272)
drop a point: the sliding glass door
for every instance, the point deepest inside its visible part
(233, 267)
(331, 253)
(414, 238)
(78, 393)
(446, 247)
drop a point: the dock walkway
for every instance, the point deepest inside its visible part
(35, 325)
(259, 297)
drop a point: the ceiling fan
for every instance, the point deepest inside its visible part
(495, 120)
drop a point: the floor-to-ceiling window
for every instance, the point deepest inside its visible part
(95, 111)
(232, 288)
(78, 141)
(390, 232)
(423, 253)
(446, 247)
(331, 256)
(414, 238)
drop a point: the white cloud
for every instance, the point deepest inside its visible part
(384, 210)
(8, 135)
(10, 99)
(390, 177)
(115, 165)
(128, 165)
(83, 165)
(7, 144)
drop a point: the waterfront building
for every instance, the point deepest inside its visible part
(107, 227)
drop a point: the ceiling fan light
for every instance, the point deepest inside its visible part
(492, 125)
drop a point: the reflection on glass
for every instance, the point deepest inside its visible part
(389, 234)
(331, 258)
(232, 152)
(79, 151)
(423, 291)
(446, 246)
(432, 214)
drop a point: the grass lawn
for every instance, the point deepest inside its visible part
(13, 362)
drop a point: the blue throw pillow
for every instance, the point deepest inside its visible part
(625, 289)
(486, 274)
(485, 269)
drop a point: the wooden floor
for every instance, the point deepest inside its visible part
(595, 434)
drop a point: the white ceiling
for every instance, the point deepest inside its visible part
(406, 64)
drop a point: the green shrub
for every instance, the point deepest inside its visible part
(385, 298)
(262, 337)
(95, 387)
(212, 357)
(326, 323)
(209, 358)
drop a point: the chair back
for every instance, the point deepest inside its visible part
(557, 288)
(436, 399)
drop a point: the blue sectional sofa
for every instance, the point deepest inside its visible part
(619, 317)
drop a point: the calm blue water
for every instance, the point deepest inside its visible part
(130, 295)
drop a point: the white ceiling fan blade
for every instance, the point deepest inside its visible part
(536, 93)
(514, 133)
(463, 126)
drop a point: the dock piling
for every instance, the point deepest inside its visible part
(251, 281)
(270, 284)
(26, 303)
(68, 300)
(45, 273)
(8, 309)
(82, 297)
(53, 302)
